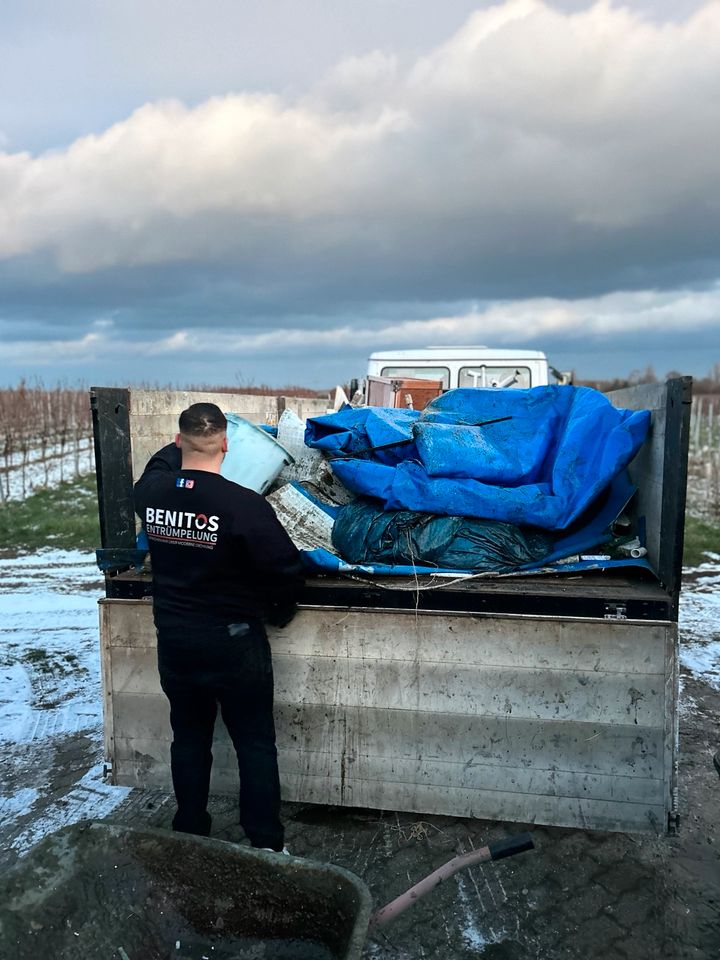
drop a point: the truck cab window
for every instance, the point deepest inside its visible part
(482, 375)
(419, 373)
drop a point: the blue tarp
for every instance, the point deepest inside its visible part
(352, 430)
(544, 466)
(587, 534)
(365, 533)
(322, 561)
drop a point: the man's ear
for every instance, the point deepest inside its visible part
(225, 444)
(178, 441)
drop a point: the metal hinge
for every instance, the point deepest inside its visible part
(615, 611)
(107, 770)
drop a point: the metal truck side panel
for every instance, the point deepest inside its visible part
(568, 722)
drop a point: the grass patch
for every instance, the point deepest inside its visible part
(62, 664)
(700, 536)
(38, 658)
(65, 517)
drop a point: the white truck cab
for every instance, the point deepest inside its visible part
(465, 366)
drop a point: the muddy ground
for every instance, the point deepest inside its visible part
(578, 895)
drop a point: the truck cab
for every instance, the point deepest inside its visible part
(474, 366)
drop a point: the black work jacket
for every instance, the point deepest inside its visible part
(218, 552)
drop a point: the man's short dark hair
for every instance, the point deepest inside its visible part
(202, 420)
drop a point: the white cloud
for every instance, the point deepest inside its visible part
(56, 352)
(512, 323)
(597, 124)
(600, 336)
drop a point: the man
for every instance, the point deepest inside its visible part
(222, 563)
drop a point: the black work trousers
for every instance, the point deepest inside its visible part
(201, 667)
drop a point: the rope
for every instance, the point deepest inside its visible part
(416, 586)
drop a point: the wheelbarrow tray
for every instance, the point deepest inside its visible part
(97, 890)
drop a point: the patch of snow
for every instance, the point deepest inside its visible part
(19, 803)
(51, 684)
(700, 624)
(40, 560)
(23, 602)
(89, 799)
(702, 660)
(474, 938)
(15, 697)
(50, 655)
(687, 705)
(710, 565)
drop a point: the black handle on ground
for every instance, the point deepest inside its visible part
(510, 846)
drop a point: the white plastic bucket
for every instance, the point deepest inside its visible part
(254, 458)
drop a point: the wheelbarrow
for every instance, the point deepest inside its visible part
(107, 892)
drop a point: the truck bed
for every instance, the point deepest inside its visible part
(549, 699)
(129, 425)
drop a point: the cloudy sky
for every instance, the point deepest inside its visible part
(265, 191)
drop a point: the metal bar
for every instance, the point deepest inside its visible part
(111, 433)
(553, 605)
(674, 494)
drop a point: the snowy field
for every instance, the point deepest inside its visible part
(57, 464)
(51, 688)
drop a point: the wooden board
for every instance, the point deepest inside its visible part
(564, 722)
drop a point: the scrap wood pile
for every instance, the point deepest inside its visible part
(482, 480)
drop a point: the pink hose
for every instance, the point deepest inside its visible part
(494, 851)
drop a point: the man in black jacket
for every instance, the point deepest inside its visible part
(222, 563)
